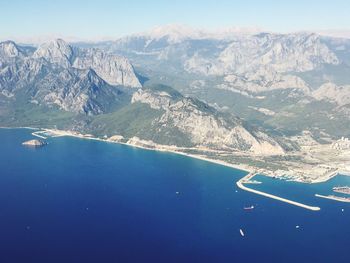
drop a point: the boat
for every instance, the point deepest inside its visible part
(241, 232)
(248, 207)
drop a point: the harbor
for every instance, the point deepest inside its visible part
(249, 177)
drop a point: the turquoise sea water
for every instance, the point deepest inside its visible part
(80, 200)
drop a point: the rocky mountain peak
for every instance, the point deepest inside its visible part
(59, 75)
(55, 51)
(114, 69)
(9, 49)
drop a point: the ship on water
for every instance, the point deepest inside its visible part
(249, 207)
(241, 232)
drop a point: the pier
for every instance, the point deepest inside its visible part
(342, 189)
(335, 198)
(248, 177)
(39, 134)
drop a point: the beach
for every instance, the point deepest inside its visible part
(137, 144)
(292, 174)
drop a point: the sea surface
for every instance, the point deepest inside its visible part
(78, 200)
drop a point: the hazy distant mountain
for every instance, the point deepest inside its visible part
(244, 71)
(175, 33)
(236, 53)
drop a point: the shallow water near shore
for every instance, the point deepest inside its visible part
(78, 200)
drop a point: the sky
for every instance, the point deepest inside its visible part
(107, 19)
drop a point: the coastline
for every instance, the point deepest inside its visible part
(21, 127)
(44, 133)
(149, 145)
(61, 133)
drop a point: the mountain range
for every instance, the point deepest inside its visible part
(231, 91)
(251, 73)
(87, 89)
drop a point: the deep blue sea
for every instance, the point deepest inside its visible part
(78, 200)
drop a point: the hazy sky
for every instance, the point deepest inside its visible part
(92, 19)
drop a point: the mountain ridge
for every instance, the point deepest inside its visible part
(52, 70)
(259, 99)
(59, 77)
(273, 71)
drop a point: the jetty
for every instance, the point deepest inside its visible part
(335, 198)
(342, 189)
(248, 178)
(39, 134)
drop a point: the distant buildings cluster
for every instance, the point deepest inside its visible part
(342, 144)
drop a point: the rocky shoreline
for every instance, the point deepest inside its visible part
(34, 143)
